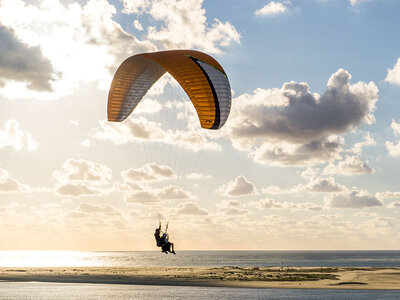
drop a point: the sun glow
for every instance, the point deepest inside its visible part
(26, 259)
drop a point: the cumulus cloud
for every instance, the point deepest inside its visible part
(292, 126)
(315, 184)
(10, 185)
(137, 25)
(141, 129)
(393, 75)
(150, 106)
(240, 186)
(190, 208)
(268, 203)
(394, 148)
(19, 62)
(102, 209)
(12, 136)
(83, 170)
(80, 177)
(78, 43)
(352, 199)
(394, 204)
(272, 8)
(388, 194)
(379, 222)
(149, 172)
(321, 185)
(149, 195)
(76, 190)
(194, 175)
(231, 208)
(183, 25)
(351, 165)
(357, 147)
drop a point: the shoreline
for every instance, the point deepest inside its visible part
(250, 277)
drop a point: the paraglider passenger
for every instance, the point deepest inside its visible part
(163, 241)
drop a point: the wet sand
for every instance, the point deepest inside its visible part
(314, 278)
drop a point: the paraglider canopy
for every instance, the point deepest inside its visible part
(201, 76)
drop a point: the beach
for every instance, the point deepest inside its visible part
(245, 277)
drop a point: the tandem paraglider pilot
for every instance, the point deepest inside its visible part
(163, 240)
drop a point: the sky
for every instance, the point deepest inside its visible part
(308, 159)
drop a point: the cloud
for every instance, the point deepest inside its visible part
(395, 127)
(80, 170)
(231, 208)
(274, 190)
(10, 185)
(388, 194)
(183, 25)
(352, 199)
(355, 2)
(73, 122)
(12, 136)
(394, 204)
(315, 184)
(351, 165)
(291, 126)
(149, 195)
(270, 9)
(357, 147)
(137, 25)
(240, 186)
(149, 106)
(76, 190)
(286, 154)
(393, 148)
(78, 43)
(383, 222)
(80, 177)
(103, 209)
(321, 185)
(393, 75)
(194, 175)
(267, 203)
(19, 62)
(190, 208)
(149, 172)
(141, 129)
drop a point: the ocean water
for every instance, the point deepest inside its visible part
(44, 290)
(201, 258)
(39, 290)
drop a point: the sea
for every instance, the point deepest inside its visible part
(41, 290)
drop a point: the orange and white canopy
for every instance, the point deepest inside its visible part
(201, 76)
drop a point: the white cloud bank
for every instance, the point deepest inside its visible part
(291, 126)
(183, 25)
(352, 199)
(393, 75)
(270, 9)
(10, 185)
(141, 129)
(80, 177)
(240, 186)
(393, 147)
(51, 47)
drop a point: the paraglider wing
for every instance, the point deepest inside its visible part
(202, 78)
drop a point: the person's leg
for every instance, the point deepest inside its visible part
(173, 249)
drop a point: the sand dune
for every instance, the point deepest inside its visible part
(319, 278)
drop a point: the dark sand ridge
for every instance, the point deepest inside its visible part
(315, 278)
